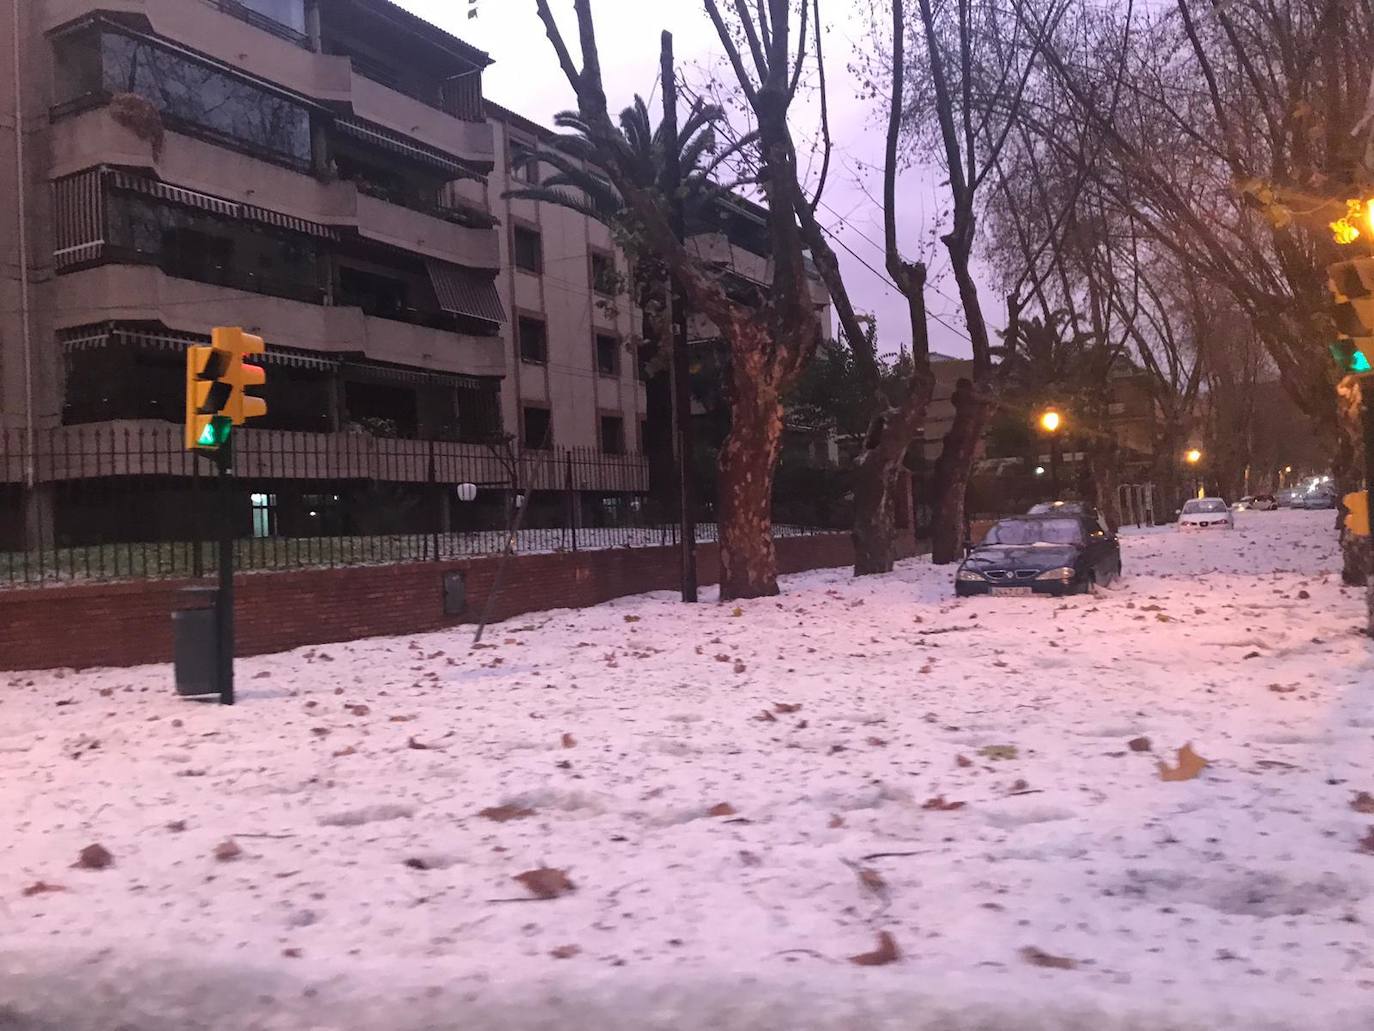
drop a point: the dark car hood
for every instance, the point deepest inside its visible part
(1026, 556)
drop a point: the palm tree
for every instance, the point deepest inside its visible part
(578, 186)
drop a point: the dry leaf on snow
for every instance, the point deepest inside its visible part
(1190, 764)
(765, 717)
(505, 813)
(723, 809)
(786, 707)
(565, 951)
(872, 880)
(1041, 958)
(1363, 802)
(545, 883)
(419, 746)
(962, 760)
(1139, 744)
(938, 803)
(227, 850)
(632, 619)
(998, 752)
(94, 857)
(41, 888)
(1367, 842)
(885, 953)
(569, 741)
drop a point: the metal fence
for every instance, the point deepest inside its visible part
(122, 500)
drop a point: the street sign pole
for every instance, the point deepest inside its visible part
(224, 610)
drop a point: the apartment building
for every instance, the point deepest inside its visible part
(324, 174)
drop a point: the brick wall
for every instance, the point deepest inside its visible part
(126, 624)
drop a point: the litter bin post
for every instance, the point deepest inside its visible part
(195, 641)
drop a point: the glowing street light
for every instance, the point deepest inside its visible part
(1194, 456)
(1051, 421)
(1039, 470)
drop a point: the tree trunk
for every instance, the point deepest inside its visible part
(952, 472)
(658, 393)
(748, 461)
(1102, 460)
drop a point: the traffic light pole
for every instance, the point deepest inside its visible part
(224, 605)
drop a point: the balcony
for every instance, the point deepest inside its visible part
(142, 293)
(205, 27)
(717, 249)
(471, 141)
(419, 232)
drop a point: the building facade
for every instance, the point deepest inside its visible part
(324, 174)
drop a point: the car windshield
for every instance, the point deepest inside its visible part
(1036, 531)
(1204, 505)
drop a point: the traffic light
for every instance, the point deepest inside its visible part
(1357, 513)
(1352, 285)
(216, 381)
(240, 407)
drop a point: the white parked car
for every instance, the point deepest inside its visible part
(1206, 513)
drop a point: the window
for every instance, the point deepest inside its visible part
(286, 12)
(375, 294)
(612, 434)
(534, 340)
(536, 429)
(604, 279)
(529, 250)
(264, 514)
(607, 354)
(194, 94)
(192, 244)
(523, 166)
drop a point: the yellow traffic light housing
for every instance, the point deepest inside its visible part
(1357, 513)
(1352, 286)
(216, 383)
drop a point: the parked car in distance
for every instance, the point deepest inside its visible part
(1206, 513)
(1288, 498)
(1316, 499)
(1040, 554)
(1264, 503)
(1244, 504)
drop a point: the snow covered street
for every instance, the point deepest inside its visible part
(740, 800)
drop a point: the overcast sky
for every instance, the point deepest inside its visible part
(526, 78)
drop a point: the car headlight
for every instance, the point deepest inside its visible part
(1062, 573)
(968, 575)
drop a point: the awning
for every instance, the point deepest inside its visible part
(465, 292)
(376, 372)
(86, 338)
(150, 187)
(376, 135)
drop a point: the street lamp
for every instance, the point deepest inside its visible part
(1050, 422)
(1194, 456)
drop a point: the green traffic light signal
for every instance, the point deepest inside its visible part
(1352, 360)
(216, 432)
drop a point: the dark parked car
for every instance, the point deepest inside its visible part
(1040, 554)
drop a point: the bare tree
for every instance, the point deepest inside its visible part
(769, 342)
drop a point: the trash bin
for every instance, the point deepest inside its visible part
(194, 638)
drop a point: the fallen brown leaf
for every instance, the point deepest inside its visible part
(176, 826)
(765, 717)
(569, 741)
(417, 745)
(359, 710)
(545, 882)
(94, 857)
(1041, 958)
(227, 850)
(740, 667)
(505, 813)
(786, 707)
(835, 821)
(346, 750)
(871, 879)
(565, 951)
(1190, 764)
(1367, 842)
(293, 952)
(1139, 744)
(1363, 802)
(938, 803)
(962, 760)
(41, 888)
(885, 953)
(877, 742)
(721, 809)
(632, 619)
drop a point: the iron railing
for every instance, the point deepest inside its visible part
(124, 499)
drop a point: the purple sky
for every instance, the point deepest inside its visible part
(526, 78)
